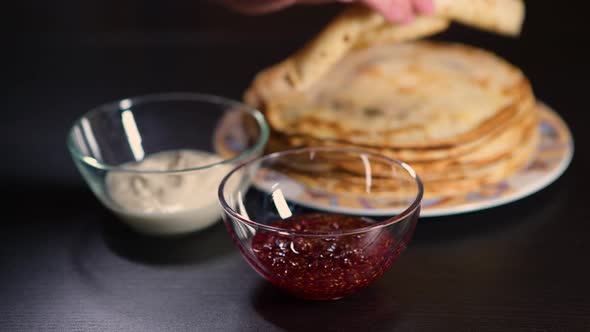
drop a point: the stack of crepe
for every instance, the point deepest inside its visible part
(460, 116)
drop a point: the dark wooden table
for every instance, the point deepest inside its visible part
(67, 265)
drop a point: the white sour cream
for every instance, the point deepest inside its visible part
(166, 204)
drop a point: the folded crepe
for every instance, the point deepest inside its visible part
(358, 26)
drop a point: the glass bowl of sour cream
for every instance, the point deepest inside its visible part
(156, 161)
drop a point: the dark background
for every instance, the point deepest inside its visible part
(66, 265)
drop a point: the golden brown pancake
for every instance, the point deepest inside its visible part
(462, 117)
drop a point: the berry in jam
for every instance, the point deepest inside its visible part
(328, 266)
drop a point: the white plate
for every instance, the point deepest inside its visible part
(552, 158)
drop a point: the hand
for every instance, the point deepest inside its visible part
(397, 11)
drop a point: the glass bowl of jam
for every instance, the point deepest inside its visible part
(321, 254)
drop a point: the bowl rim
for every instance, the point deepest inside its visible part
(167, 96)
(387, 222)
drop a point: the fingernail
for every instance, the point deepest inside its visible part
(424, 6)
(407, 19)
(397, 16)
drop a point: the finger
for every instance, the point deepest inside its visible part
(423, 6)
(397, 11)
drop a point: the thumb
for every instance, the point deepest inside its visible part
(397, 11)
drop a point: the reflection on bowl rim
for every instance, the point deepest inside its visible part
(168, 96)
(401, 216)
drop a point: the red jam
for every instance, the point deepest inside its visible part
(326, 267)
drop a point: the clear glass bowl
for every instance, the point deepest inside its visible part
(317, 254)
(176, 193)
